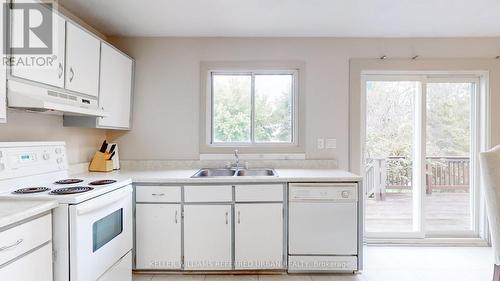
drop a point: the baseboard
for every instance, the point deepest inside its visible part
(429, 242)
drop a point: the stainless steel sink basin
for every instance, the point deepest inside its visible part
(256, 173)
(210, 173)
(206, 173)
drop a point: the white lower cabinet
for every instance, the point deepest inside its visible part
(36, 265)
(26, 253)
(259, 236)
(209, 217)
(158, 236)
(207, 237)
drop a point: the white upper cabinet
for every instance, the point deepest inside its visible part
(82, 61)
(115, 88)
(53, 74)
(3, 70)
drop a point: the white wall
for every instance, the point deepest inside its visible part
(165, 121)
(80, 143)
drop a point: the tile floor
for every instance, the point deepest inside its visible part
(384, 264)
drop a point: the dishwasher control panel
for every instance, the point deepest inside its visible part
(323, 192)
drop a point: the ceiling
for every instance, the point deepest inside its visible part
(294, 18)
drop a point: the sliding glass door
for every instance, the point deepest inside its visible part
(390, 133)
(449, 137)
(419, 150)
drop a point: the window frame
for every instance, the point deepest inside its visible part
(252, 72)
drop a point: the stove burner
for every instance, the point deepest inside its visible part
(71, 190)
(102, 182)
(68, 181)
(29, 190)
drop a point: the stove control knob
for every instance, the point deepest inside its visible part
(46, 156)
(58, 150)
(59, 160)
(2, 166)
(345, 194)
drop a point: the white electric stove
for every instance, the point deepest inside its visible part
(92, 227)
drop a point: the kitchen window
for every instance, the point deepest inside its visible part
(252, 108)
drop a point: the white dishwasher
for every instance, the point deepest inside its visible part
(323, 227)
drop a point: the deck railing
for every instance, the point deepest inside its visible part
(394, 173)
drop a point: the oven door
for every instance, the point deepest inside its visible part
(100, 233)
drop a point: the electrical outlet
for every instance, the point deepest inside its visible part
(321, 143)
(331, 143)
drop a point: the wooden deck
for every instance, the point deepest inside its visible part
(446, 211)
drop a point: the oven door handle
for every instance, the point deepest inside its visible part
(82, 210)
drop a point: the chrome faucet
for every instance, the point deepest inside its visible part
(237, 158)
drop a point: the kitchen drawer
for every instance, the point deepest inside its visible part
(259, 192)
(208, 193)
(36, 265)
(158, 194)
(22, 238)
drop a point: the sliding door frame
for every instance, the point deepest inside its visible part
(479, 141)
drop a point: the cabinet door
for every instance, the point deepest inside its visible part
(115, 87)
(82, 61)
(158, 236)
(258, 236)
(3, 69)
(48, 74)
(207, 237)
(34, 266)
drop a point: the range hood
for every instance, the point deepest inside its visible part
(36, 98)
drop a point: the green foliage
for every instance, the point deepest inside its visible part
(273, 109)
(448, 119)
(389, 118)
(390, 110)
(232, 108)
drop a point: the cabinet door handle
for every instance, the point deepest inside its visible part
(72, 74)
(227, 220)
(158, 194)
(60, 70)
(19, 241)
(176, 214)
(238, 217)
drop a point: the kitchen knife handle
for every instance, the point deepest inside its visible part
(103, 146)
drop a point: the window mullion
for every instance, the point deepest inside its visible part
(252, 109)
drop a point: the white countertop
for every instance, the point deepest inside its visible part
(184, 176)
(13, 211)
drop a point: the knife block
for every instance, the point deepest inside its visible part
(100, 163)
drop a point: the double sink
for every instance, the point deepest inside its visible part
(210, 173)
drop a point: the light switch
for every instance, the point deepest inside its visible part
(321, 143)
(331, 143)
